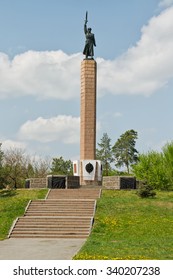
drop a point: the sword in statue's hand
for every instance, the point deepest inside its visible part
(86, 17)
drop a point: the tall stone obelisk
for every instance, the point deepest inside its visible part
(89, 169)
(88, 109)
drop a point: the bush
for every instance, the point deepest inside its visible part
(146, 191)
(152, 169)
(168, 158)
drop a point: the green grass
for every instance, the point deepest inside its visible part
(125, 227)
(131, 228)
(12, 205)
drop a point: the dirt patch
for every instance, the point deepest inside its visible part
(165, 204)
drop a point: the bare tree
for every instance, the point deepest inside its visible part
(41, 166)
(18, 166)
(15, 164)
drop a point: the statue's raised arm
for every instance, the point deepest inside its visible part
(90, 41)
(85, 25)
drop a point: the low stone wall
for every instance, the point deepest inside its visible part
(111, 182)
(37, 183)
(119, 182)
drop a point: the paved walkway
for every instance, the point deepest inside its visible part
(39, 249)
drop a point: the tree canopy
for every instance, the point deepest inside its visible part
(16, 166)
(124, 150)
(104, 153)
(61, 166)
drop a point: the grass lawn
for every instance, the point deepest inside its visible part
(127, 227)
(12, 205)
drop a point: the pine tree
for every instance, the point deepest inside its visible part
(105, 153)
(124, 149)
(61, 166)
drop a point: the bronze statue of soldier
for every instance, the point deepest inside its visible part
(90, 41)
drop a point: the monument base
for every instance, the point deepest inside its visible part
(90, 172)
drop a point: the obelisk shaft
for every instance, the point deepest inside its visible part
(88, 110)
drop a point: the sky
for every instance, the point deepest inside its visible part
(41, 44)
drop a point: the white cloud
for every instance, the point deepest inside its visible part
(12, 144)
(61, 128)
(49, 74)
(143, 69)
(146, 67)
(165, 3)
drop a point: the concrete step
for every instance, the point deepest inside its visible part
(62, 202)
(52, 230)
(74, 193)
(55, 219)
(50, 226)
(79, 236)
(57, 214)
(58, 204)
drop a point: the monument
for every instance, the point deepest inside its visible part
(88, 168)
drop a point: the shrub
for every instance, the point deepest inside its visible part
(146, 191)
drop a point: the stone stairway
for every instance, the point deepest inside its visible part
(65, 213)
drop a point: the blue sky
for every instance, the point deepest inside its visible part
(41, 45)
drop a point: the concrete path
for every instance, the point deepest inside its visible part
(39, 249)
